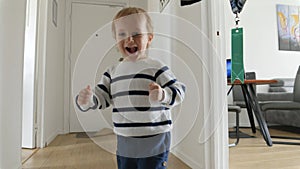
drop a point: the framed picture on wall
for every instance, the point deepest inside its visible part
(54, 12)
(288, 27)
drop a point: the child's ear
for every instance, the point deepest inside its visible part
(150, 37)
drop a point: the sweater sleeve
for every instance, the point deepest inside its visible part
(174, 90)
(102, 91)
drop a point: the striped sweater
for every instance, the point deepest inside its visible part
(125, 86)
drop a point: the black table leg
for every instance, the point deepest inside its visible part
(258, 114)
(249, 108)
(230, 90)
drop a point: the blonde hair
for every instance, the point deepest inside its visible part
(129, 11)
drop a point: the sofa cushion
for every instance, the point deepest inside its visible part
(283, 117)
(275, 96)
(282, 85)
(277, 89)
(279, 83)
(280, 105)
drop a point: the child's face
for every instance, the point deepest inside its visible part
(132, 36)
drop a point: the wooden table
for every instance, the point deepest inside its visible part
(252, 105)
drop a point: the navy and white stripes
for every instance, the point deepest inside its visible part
(125, 86)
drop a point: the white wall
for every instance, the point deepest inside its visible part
(189, 150)
(12, 31)
(205, 145)
(261, 53)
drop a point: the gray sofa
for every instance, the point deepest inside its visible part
(280, 91)
(280, 104)
(283, 85)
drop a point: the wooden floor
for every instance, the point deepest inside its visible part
(254, 153)
(69, 152)
(27, 153)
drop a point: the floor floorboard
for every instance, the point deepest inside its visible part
(254, 153)
(71, 152)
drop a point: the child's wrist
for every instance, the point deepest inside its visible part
(165, 96)
(162, 95)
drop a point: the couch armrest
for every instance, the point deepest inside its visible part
(275, 96)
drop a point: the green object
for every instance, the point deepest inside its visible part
(237, 63)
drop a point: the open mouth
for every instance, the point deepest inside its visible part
(131, 50)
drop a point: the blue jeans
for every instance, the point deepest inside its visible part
(154, 162)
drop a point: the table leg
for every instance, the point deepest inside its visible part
(258, 114)
(229, 90)
(249, 108)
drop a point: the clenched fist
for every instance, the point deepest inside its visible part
(84, 96)
(156, 93)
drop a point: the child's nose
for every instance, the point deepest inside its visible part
(130, 38)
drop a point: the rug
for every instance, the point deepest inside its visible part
(81, 135)
(102, 132)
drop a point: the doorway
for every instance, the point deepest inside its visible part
(86, 19)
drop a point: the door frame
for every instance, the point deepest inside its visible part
(67, 71)
(29, 112)
(41, 45)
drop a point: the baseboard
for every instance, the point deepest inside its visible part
(183, 157)
(52, 137)
(64, 132)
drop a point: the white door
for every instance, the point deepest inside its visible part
(86, 19)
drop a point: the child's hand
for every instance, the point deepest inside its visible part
(156, 93)
(84, 96)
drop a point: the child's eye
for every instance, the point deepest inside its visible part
(136, 34)
(122, 34)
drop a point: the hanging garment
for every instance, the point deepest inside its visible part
(188, 2)
(237, 5)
